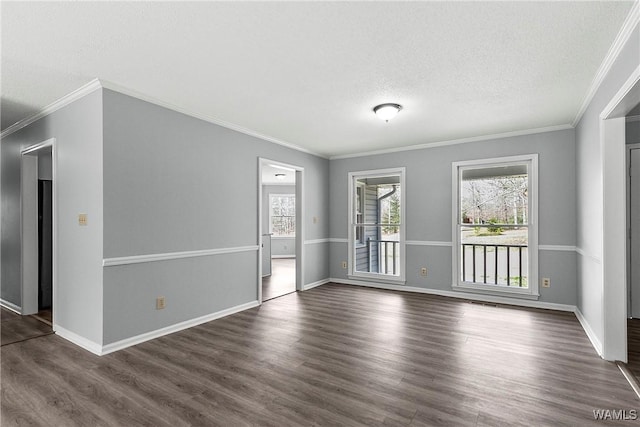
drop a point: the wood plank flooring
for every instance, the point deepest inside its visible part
(633, 346)
(15, 328)
(282, 280)
(335, 355)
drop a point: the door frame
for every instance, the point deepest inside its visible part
(629, 147)
(300, 225)
(28, 239)
(614, 218)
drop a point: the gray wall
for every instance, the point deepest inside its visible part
(77, 128)
(45, 166)
(589, 194)
(632, 132)
(280, 246)
(428, 198)
(174, 183)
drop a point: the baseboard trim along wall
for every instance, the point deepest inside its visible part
(595, 342)
(76, 339)
(137, 259)
(315, 284)
(461, 295)
(10, 306)
(138, 339)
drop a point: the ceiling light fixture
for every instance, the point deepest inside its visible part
(387, 111)
(280, 176)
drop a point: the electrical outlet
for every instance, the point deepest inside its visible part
(344, 264)
(160, 303)
(546, 282)
(423, 271)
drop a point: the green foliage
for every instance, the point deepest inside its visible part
(488, 231)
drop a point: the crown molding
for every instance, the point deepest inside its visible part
(54, 106)
(98, 84)
(138, 95)
(632, 20)
(455, 141)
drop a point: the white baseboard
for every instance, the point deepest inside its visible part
(595, 342)
(315, 284)
(88, 345)
(462, 295)
(128, 342)
(283, 256)
(10, 306)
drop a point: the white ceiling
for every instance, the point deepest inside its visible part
(309, 73)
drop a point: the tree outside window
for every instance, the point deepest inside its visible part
(282, 215)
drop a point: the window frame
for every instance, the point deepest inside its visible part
(359, 205)
(531, 161)
(271, 216)
(352, 273)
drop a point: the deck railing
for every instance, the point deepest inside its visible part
(478, 252)
(388, 255)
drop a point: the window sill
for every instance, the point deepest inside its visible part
(503, 292)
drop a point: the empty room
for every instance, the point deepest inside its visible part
(320, 213)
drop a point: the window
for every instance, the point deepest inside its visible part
(282, 215)
(376, 231)
(495, 232)
(359, 205)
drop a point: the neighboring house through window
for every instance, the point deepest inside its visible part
(376, 230)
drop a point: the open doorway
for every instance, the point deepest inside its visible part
(38, 234)
(281, 240)
(632, 137)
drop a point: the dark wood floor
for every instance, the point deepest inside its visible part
(333, 355)
(282, 280)
(15, 328)
(633, 346)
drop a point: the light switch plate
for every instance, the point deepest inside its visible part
(82, 219)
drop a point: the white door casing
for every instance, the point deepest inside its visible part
(634, 221)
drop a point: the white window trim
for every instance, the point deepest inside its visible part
(376, 277)
(271, 196)
(361, 243)
(532, 292)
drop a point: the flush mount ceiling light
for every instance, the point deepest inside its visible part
(387, 111)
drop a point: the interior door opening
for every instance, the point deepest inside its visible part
(38, 236)
(633, 254)
(280, 240)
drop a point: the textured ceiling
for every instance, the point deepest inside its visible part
(309, 73)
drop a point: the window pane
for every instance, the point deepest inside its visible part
(497, 200)
(377, 202)
(380, 252)
(282, 215)
(493, 225)
(494, 255)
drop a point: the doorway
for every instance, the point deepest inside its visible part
(38, 231)
(633, 248)
(280, 214)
